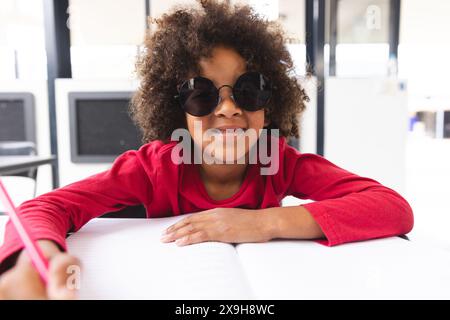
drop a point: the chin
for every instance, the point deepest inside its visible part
(231, 155)
(228, 148)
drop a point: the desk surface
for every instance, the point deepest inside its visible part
(14, 164)
(390, 268)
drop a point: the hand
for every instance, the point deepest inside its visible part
(23, 281)
(221, 224)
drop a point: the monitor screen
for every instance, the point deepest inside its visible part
(17, 121)
(447, 124)
(101, 128)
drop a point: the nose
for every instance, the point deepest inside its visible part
(227, 107)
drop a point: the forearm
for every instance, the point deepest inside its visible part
(294, 222)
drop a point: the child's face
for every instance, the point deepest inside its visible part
(223, 68)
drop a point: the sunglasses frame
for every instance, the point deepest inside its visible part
(267, 81)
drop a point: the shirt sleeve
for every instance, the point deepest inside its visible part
(51, 215)
(348, 207)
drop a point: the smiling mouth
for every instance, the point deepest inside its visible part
(231, 129)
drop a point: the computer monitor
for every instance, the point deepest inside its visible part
(100, 126)
(17, 117)
(447, 124)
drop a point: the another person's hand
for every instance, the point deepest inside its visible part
(23, 281)
(221, 224)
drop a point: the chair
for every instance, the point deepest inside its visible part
(22, 185)
(20, 148)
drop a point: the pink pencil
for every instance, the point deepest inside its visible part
(32, 248)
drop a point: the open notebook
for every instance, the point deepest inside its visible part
(124, 259)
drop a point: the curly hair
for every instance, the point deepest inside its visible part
(186, 35)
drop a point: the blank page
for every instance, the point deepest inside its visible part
(125, 259)
(389, 268)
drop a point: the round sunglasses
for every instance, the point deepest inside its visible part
(199, 97)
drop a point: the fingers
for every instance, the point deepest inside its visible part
(187, 234)
(180, 224)
(64, 277)
(192, 238)
(188, 220)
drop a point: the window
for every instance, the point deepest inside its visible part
(105, 36)
(362, 38)
(22, 41)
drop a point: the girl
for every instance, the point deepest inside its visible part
(222, 69)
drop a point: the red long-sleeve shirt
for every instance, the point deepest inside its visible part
(347, 207)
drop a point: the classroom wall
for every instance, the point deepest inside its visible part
(366, 126)
(424, 48)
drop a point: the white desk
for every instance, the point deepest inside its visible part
(390, 268)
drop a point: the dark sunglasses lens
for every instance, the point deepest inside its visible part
(252, 91)
(198, 96)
